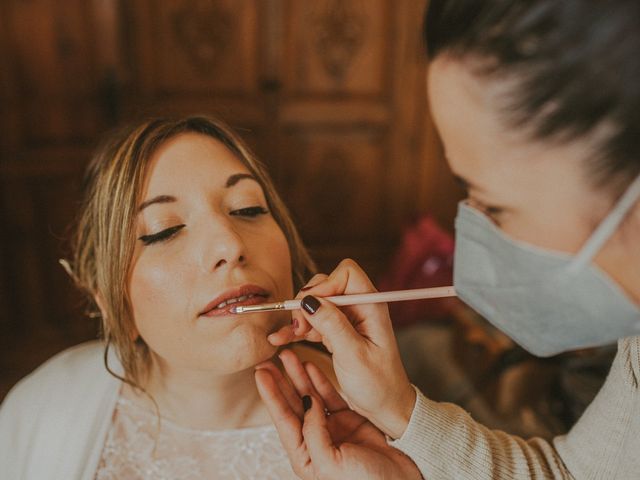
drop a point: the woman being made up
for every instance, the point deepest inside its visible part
(538, 107)
(179, 223)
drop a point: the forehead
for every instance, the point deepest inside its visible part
(466, 109)
(481, 145)
(190, 160)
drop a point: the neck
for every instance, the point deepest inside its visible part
(202, 400)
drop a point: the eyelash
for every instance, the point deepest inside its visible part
(168, 233)
(250, 212)
(165, 234)
(492, 210)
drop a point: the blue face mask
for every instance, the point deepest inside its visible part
(548, 302)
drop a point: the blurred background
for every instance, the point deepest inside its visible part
(331, 96)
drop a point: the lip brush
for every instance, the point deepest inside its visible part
(356, 299)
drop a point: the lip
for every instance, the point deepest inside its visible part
(211, 310)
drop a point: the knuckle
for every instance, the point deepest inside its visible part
(317, 280)
(349, 263)
(318, 277)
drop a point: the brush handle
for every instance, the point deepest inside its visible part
(382, 297)
(355, 299)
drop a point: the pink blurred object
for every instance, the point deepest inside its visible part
(424, 259)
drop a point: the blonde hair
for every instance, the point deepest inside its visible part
(104, 240)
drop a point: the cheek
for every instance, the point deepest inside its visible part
(554, 228)
(156, 296)
(278, 262)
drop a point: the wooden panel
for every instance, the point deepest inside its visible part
(333, 183)
(35, 226)
(8, 97)
(349, 111)
(338, 47)
(195, 47)
(6, 305)
(54, 62)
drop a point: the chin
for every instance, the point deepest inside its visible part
(239, 348)
(262, 350)
(248, 347)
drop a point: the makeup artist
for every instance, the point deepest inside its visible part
(538, 106)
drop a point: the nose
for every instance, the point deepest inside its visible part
(225, 247)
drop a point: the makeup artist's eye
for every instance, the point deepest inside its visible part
(249, 212)
(494, 214)
(493, 211)
(488, 210)
(161, 236)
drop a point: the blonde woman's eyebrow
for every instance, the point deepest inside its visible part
(154, 200)
(235, 178)
(231, 181)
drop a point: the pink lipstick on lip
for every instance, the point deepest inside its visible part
(243, 295)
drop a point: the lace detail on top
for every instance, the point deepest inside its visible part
(182, 453)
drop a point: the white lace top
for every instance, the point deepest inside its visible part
(135, 449)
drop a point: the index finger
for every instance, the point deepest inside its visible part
(346, 279)
(287, 423)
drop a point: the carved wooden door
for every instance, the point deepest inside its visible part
(330, 93)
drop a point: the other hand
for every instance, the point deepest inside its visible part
(329, 440)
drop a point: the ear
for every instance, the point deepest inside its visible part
(134, 335)
(101, 303)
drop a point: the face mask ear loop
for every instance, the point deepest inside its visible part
(608, 226)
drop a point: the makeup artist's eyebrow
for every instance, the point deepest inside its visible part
(464, 183)
(233, 179)
(154, 200)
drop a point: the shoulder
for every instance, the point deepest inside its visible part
(58, 375)
(58, 411)
(308, 353)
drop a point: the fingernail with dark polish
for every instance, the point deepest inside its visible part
(306, 402)
(311, 304)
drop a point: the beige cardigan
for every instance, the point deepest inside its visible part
(446, 443)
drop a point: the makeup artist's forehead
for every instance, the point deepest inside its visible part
(189, 162)
(480, 145)
(464, 110)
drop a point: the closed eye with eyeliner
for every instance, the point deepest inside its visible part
(168, 233)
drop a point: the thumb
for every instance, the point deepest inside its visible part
(328, 320)
(316, 435)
